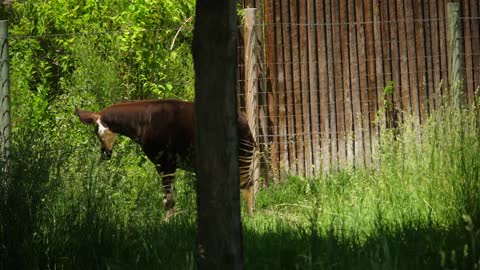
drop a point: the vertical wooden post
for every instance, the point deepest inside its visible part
(5, 126)
(251, 83)
(456, 63)
(219, 231)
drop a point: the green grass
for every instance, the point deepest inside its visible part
(418, 208)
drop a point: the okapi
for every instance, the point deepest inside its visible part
(165, 131)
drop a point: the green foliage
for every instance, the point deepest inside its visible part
(94, 53)
(388, 90)
(60, 198)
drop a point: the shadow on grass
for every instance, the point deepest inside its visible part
(42, 234)
(41, 229)
(410, 246)
(100, 243)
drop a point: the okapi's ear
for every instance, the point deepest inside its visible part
(86, 117)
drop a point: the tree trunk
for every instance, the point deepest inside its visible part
(219, 235)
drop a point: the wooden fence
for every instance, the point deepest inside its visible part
(326, 67)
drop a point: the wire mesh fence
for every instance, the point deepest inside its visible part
(329, 75)
(332, 74)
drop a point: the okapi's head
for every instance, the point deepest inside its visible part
(104, 134)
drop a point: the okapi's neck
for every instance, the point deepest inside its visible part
(124, 120)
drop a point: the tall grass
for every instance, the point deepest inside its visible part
(65, 208)
(417, 208)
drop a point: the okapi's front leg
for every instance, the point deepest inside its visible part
(168, 185)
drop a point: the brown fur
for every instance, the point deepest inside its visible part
(165, 131)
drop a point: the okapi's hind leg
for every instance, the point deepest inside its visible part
(246, 155)
(249, 196)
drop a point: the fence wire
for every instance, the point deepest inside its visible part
(323, 82)
(328, 80)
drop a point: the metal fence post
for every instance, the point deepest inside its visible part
(5, 126)
(456, 63)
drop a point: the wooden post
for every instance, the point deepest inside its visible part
(456, 63)
(5, 126)
(251, 85)
(219, 231)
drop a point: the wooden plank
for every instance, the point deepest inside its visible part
(272, 87)
(411, 60)
(251, 83)
(264, 87)
(330, 99)
(369, 97)
(313, 90)
(339, 105)
(383, 56)
(305, 90)
(437, 73)
(290, 112)
(366, 55)
(296, 88)
(382, 70)
(404, 64)
(347, 91)
(412, 55)
(325, 80)
(300, 78)
(456, 52)
(395, 57)
(356, 114)
(240, 84)
(475, 55)
(429, 101)
(467, 41)
(442, 15)
(281, 44)
(419, 38)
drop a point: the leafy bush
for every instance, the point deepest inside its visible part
(60, 198)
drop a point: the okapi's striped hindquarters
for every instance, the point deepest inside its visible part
(165, 131)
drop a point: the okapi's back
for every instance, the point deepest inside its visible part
(152, 112)
(159, 126)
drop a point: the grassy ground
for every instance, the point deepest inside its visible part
(417, 209)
